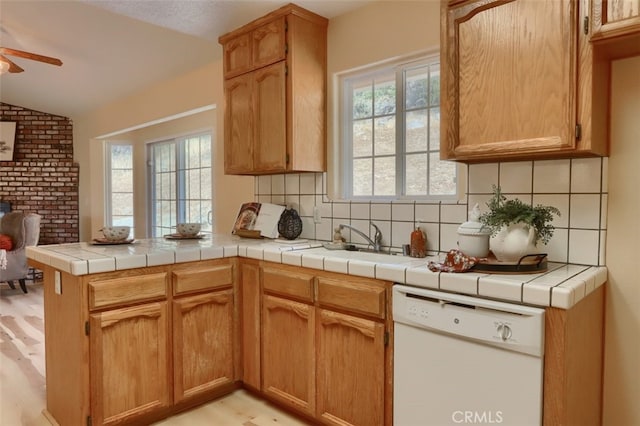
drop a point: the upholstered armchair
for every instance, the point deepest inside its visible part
(24, 230)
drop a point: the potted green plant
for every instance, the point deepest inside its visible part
(517, 227)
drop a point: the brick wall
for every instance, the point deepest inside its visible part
(42, 178)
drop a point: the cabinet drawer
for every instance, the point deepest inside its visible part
(121, 291)
(202, 279)
(356, 297)
(288, 283)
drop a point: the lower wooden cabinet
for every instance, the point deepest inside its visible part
(202, 343)
(350, 369)
(325, 345)
(130, 363)
(288, 354)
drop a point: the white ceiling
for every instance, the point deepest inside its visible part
(113, 48)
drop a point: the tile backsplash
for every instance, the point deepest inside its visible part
(577, 187)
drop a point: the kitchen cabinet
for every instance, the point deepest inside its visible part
(517, 82)
(203, 329)
(615, 19)
(140, 344)
(129, 349)
(351, 353)
(288, 339)
(326, 349)
(275, 94)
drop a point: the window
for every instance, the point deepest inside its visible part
(119, 182)
(392, 133)
(181, 183)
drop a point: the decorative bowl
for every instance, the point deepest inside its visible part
(188, 229)
(116, 233)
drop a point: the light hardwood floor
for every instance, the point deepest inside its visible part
(22, 375)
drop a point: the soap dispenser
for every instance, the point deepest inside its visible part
(418, 243)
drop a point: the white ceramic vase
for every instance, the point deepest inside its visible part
(513, 241)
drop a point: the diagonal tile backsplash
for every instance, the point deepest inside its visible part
(577, 187)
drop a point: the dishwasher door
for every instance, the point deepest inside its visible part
(463, 360)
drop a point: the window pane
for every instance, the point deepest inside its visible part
(441, 176)
(434, 85)
(385, 135)
(385, 95)
(121, 180)
(122, 204)
(362, 138)
(362, 101)
(121, 156)
(205, 151)
(416, 174)
(434, 129)
(205, 183)
(385, 176)
(416, 88)
(362, 175)
(416, 131)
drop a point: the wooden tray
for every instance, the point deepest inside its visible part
(528, 264)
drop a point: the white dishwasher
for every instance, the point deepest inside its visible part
(465, 360)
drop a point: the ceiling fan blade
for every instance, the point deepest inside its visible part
(32, 56)
(12, 66)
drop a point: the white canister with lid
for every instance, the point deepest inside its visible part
(473, 236)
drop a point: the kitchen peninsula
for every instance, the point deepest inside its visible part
(128, 328)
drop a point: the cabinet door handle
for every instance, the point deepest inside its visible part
(585, 25)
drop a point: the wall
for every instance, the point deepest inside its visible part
(622, 325)
(578, 188)
(42, 178)
(195, 89)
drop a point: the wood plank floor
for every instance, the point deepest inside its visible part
(22, 375)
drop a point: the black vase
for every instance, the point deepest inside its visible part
(290, 224)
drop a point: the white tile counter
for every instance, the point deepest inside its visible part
(561, 286)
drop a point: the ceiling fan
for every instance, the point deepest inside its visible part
(6, 65)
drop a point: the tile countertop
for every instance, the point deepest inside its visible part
(561, 286)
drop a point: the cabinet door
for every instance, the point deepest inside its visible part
(238, 126)
(268, 43)
(270, 119)
(202, 343)
(615, 18)
(288, 359)
(129, 362)
(350, 371)
(509, 79)
(237, 55)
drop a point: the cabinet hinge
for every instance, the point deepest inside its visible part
(89, 421)
(386, 338)
(578, 132)
(286, 69)
(585, 25)
(286, 158)
(86, 328)
(286, 25)
(286, 48)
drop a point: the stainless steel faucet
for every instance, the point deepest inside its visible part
(376, 243)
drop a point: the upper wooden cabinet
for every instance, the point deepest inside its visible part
(615, 19)
(516, 81)
(275, 94)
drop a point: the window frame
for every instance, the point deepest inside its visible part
(108, 184)
(180, 195)
(345, 112)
